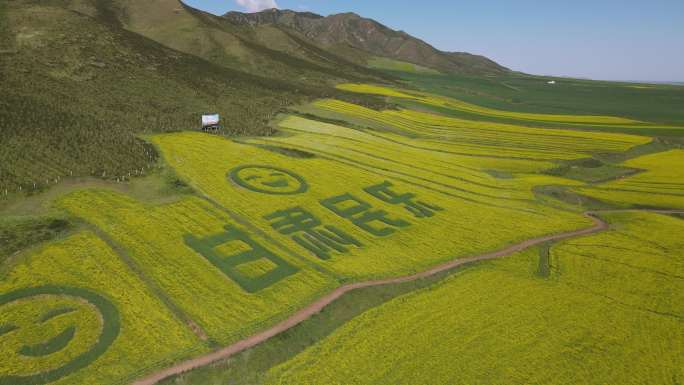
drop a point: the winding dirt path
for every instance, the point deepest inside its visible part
(315, 307)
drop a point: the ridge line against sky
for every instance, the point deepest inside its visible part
(606, 39)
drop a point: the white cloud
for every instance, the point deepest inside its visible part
(257, 5)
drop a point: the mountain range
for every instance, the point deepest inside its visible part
(274, 42)
(353, 36)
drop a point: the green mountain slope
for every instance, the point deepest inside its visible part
(270, 52)
(361, 38)
(77, 88)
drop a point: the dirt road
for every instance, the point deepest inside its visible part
(310, 310)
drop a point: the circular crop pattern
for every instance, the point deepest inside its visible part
(268, 180)
(49, 332)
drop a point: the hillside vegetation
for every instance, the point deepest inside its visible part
(363, 39)
(271, 52)
(78, 87)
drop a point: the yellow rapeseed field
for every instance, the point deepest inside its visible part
(149, 335)
(484, 138)
(609, 312)
(370, 217)
(218, 297)
(639, 265)
(278, 221)
(508, 148)
(661, 184)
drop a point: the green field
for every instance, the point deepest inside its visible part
(382, 63)
(458, 105)
(107, 281)
(659, 103)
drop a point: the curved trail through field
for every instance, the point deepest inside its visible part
(599, 226)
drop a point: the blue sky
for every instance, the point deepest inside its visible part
(599, 39)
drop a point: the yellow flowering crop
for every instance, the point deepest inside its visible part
(376, 218)
(159, 239)
(610, 312)
(148, 336)
(661, 184)
(443, 101)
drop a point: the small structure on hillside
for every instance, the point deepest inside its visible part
(551, 82)
(211, 122)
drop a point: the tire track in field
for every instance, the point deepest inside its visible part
(310, 310)
(129, 261)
